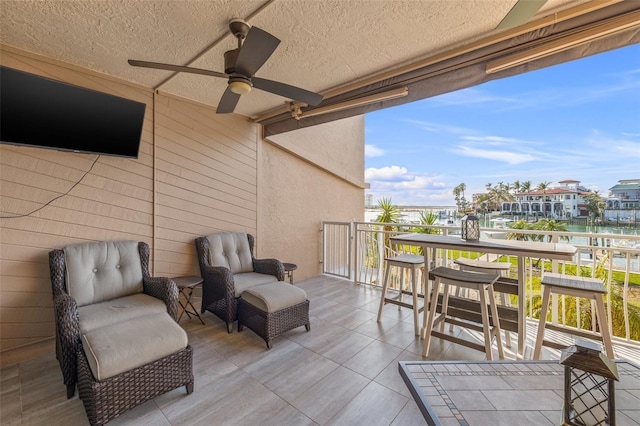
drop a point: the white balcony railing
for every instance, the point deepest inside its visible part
(356, 250)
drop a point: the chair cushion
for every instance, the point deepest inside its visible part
(275, 296)
(230, 250)
(118, 310)
(248, 280)
(117, 348)
(101, 271)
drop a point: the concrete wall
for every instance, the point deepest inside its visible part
(197, 173)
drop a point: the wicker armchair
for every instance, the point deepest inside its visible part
(107, 312)
(228, 267)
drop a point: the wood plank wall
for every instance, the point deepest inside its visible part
(198, 178)
(205, 180)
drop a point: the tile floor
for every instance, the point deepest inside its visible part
(343, 372)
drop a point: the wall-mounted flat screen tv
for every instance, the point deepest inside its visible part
(41, 112)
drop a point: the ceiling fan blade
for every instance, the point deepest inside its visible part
(290, 92)
(255, 51)
(176, 68)
(228, 102)
(520, 13)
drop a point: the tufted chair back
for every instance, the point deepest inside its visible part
(100, 271)
(230, 250)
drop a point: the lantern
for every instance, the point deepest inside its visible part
(589, 394)
(470, 228)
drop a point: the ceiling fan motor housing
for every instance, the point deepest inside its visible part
(230, 59)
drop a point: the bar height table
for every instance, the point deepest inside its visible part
(520, 249)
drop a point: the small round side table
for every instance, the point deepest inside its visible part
(288, 270)
(188, 283)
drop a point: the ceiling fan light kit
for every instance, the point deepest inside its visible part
(255, 46)
(239, 87)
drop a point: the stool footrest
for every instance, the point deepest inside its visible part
(458, 340)
(554, 345)
(404, 305)
(575, 331)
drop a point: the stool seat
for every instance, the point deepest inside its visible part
(463, 278)
(408, 259)
(581, 287)
(473, 264)
(498, 268)
(574, 283)
(413, 262)
(468, 316)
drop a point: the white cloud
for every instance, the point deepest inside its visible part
(385, 173)
(439, 127)
(628, 148)
(372, 151)
(492, 140)
(471, 96)
(509, 157)
(396, 177)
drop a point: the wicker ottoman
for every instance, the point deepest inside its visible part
(272, 309)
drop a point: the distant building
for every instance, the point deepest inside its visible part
(625, 195)
(561, 202)
(624, 200)
(368, 200)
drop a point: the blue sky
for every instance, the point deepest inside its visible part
(579, 120)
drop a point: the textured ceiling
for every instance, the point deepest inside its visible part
(325, 44)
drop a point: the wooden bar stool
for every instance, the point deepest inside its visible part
(588, 288)
(464, 312)
(499, 268)
(412, 262)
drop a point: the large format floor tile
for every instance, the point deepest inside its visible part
(342, 372)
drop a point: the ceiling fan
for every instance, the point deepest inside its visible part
(255, 46)
(520, 13)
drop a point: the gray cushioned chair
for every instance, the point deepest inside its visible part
(228, 268)
(117, 336)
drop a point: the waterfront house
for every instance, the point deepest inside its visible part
(559, 202)
(624, 201)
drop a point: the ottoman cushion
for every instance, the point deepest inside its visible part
(111, 351)
(274, 296)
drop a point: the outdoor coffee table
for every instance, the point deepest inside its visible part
(504, 392)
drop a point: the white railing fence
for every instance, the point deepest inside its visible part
(356, 250)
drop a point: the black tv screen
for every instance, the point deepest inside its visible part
(41, 112)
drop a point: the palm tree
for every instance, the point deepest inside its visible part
(428, 217)
(543, 186)
(549, 225)
(525, 186)
(521, 224)
(390, 214)
(499, 193)
(594, 205)
(461, 201)
(516, 187)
